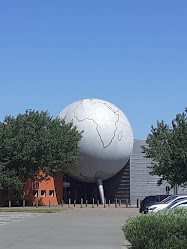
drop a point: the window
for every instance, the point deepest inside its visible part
(43, 193)
(152, 198)
(35, 193)
(51, 193)
(15, 193)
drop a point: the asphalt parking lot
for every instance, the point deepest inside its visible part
(85, 228)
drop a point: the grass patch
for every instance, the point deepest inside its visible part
(34, 209)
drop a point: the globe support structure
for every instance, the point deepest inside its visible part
(101, 190)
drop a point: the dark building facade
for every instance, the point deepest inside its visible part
(132, 182)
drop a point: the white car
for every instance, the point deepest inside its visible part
(180, 203)
(160, 206)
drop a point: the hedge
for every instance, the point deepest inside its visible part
(162, 230)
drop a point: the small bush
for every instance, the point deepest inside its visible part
(163, 230)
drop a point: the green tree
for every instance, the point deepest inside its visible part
(8, 179)
(167, 147)
(179, 148)
(32, 142)
(63, 150)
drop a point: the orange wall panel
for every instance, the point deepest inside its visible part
(55, 184)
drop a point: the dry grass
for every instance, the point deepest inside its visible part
(34, 209)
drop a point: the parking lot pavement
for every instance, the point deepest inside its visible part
(73, 229)
(8, 217)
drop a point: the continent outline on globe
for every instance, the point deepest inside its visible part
(97, 125)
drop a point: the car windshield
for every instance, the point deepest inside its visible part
(171, 199)
(149, 199)
(173, 203)
(178, 198)
(166, 199)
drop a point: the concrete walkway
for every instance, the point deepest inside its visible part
(76, 228)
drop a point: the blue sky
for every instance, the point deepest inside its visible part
(130, 53)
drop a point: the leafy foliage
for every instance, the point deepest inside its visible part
(167, 147)
(8, 179)
(164, 230)
(64, 150)
(32, 142)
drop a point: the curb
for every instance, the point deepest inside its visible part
(126, 245)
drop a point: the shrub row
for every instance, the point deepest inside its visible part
(163, 230)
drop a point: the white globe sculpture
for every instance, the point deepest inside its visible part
(107, 140)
